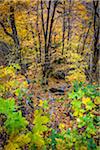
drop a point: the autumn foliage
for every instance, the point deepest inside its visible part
(49, 75)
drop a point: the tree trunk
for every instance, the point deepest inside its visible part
(47, 31)
(96, 54)
(14, 33)
(69, 26)
(85, 38)
(38, 32)
(63, 29)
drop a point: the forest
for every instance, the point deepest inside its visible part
(49, 75)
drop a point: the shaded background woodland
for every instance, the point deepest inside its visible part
(51, 37)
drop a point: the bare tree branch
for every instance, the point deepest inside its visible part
(5, 30)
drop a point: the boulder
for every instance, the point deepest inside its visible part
(60, 74)
(58, 91)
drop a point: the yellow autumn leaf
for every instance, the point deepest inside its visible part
(23, 139)
(41, 103)
(61, 144)
(76, 113)
(97, 100)
(81, 114)
(85, 100)
(61, 126)
(83, 148)
(12, 146)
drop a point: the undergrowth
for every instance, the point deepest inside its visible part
(37, 131)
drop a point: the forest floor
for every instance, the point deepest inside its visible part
(72, 110)
(55, 101)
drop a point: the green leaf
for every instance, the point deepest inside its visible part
(7, 106)
(15, 122)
